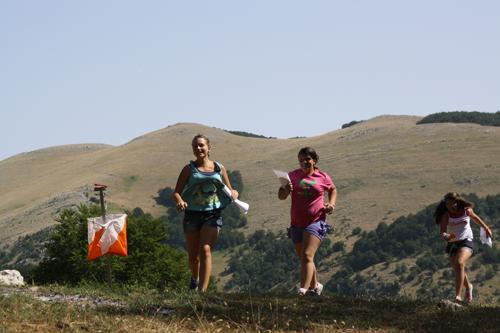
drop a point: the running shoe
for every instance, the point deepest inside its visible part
(302, 292)
(193, 284)
(316, 291)
(319, 289)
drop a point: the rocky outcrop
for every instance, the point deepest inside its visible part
(11, 277)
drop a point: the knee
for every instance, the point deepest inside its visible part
(308, 256)
(205, 252)
(459, 264)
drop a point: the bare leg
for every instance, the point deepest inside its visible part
(467, 283)
(310, 245)
(459, 261)
(208, 237)
(298, 249)
(192, 246)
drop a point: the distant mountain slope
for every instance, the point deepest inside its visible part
(384, 167)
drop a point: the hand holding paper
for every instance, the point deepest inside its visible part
(243, 206)
(485, 239)
(283, 177)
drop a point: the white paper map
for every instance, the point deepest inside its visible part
(282, 176)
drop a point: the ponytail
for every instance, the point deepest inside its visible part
(439, 212)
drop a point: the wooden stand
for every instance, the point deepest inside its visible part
(107, 260)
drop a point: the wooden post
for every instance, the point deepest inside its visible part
(107, 263)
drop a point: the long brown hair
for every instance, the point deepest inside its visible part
(441, 208)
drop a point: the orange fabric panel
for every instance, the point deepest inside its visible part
(120, 246)
(95, 247)
(109, 237)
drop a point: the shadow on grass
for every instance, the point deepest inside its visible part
(271, 312)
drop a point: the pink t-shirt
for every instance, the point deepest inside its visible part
(307, 196)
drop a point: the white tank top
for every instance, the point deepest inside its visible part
(460, 226)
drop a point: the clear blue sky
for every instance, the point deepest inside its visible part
(108, 71)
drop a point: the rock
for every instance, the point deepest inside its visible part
(449, 305)
(11, 277)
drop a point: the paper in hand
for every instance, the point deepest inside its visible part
(243, 206)
(283, 177)
(485, 239)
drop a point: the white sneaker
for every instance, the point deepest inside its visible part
(319, 289)
(302, 291)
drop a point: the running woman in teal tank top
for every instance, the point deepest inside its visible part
(199, 193)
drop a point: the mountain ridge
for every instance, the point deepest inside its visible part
(384, 167)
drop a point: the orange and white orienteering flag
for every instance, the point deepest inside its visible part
(109, 237)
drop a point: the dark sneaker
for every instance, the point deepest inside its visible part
(193, 284)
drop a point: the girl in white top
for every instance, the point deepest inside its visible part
(453, 214)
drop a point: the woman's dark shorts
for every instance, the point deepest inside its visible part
(194, 220)
(318, 229)
(453, 247)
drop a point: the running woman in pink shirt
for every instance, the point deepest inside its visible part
(453, 214)
(307, 187)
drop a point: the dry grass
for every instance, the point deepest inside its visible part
(239, 313)
(384, 168)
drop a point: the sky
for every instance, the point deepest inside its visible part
(108, 71)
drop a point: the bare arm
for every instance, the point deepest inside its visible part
(479, 221)
(180, 204)
(284, 191)
(332, 199)
(443, 224)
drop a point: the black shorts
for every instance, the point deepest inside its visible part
(194, 220)
(453, 247)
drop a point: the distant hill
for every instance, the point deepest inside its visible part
(384, 167)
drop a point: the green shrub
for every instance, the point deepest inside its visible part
(481, 118)
(149, 262)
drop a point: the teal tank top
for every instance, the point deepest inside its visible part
(204, 190)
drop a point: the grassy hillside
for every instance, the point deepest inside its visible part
(384, 168)
(76, 310)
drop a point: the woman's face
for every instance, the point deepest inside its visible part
(306, 163)
(451, 205)
(200, 148)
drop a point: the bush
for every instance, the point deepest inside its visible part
(352, 123)
(149, 262)
(338, 246)
(268, 262)
(429, 262)
(356, 231)
(481, 118)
